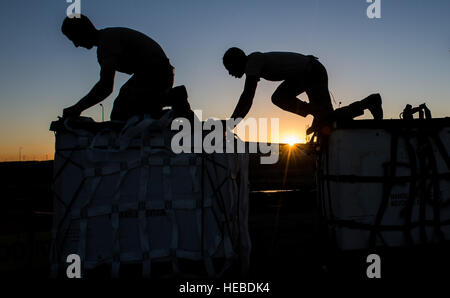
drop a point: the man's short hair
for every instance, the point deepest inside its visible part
(76, 26)
(234, 56)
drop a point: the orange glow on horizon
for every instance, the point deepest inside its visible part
(292, 140)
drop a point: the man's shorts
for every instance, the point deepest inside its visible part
(144, 93)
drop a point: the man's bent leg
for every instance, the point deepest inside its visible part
(154, 88)
(348, 112)
(144, 93)
(319, 97)
(321, 107)
(371, 102)
(285, 97)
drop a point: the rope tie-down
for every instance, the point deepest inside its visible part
(386, 183)
(122, 196)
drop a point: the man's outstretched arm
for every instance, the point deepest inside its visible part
(99, 92)
(246, 99)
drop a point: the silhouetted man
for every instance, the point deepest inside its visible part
(128, 51)
(299, 74)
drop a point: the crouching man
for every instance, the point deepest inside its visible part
(127, 51)
(298, 73)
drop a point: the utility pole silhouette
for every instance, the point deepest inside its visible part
(306, 135)
(20, 153)
(103, 110)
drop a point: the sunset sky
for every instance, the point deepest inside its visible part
(404, 56)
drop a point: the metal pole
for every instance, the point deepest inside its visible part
(103, 110)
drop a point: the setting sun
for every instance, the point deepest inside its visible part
(291, 140)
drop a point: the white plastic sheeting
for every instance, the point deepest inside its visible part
(122, 196)
(387, 186)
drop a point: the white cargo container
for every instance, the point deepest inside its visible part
(122, 196)
(386, 183)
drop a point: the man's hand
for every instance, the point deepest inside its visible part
(225, 127)
(99, 92)
(246, 99)
(72, 111)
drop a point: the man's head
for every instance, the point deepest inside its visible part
(80, 31)
(234, 61)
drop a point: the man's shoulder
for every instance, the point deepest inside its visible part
(256, 55)
(117, 31)
(109, 43)
(107, 36)
(126, 37)
(275, 55)
(255, 64)
(285, 54)
(256, 58)
(112, 38)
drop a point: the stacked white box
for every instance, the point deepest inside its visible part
(386, 183)
(122, 196)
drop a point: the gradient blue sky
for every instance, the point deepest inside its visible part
(404, 56)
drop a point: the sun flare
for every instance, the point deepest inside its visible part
(292, 140)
